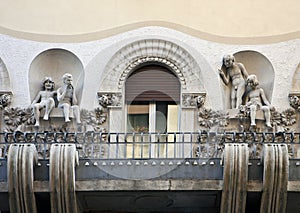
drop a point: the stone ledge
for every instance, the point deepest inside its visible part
(144, 185)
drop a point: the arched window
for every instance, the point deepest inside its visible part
(152, 95)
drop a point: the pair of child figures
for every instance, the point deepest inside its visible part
(65, 95)
(236, 73)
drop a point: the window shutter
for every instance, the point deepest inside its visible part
(152, 83)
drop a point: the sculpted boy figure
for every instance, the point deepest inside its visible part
(46, 100)
(256, 99)
(67, 98)
(235, 73)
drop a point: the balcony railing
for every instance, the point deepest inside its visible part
(175, 145)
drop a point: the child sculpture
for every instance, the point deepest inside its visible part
(67, 98)
(236, 73)
(46, 100)
(256, 99)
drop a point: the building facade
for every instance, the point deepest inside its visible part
(148, 117)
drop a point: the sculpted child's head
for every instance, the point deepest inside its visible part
(252, 80)
(48, 83)
(67, 78)
(228, 60)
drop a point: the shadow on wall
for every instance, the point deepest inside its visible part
(4, 78)
(55, 63)
(296, 80)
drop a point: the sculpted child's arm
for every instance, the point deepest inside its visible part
(263, 97)
(243, 70)
(224, 78)
(37, 98)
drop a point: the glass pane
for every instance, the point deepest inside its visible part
(138, 118)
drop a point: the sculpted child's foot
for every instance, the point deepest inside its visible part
(46, 117)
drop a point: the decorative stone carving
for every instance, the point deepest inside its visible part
(21, 160)
(63, 159)
(275, 179)
(109, 99)
(165, 53)
(93, 120)
(14, 117)
(281, 121)
(294, 99)
(208, 118)
(67, 98)
(193, 100)
(235, 178)
(151, 59)
(44, 99)
(235, 73)
(5, 99)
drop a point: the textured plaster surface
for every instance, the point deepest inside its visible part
(18, 54)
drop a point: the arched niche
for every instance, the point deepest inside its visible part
(55, 63)
(4, 78)
(296, 81)
(256, 63)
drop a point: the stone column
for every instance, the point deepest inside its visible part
(63, 159)
(21, 160)
(275, 179)
(236, 158)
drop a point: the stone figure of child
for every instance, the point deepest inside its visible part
(46, 100)
(67, 98)
(235, 73)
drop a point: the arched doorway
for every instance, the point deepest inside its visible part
(152, 95)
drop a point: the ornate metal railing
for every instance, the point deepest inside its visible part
(175, 145)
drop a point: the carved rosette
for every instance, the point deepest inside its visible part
(193, 100)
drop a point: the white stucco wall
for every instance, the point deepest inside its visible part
(18, 54)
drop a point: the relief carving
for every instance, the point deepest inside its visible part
(5, 100)
(109, 99)
(193, 100)
(294, 99)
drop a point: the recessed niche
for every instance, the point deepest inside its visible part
(258, 64)
(55, 63)
(4, 78)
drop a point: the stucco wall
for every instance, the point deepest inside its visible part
(210, 19)
(18, 55)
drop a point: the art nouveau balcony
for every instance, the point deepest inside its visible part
(149, 172)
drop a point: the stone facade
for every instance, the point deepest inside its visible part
(100, 69)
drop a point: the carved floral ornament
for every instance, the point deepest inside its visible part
(151, 59)
(193, 100)
(5, 99)
(110, 99)
(294, 99)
